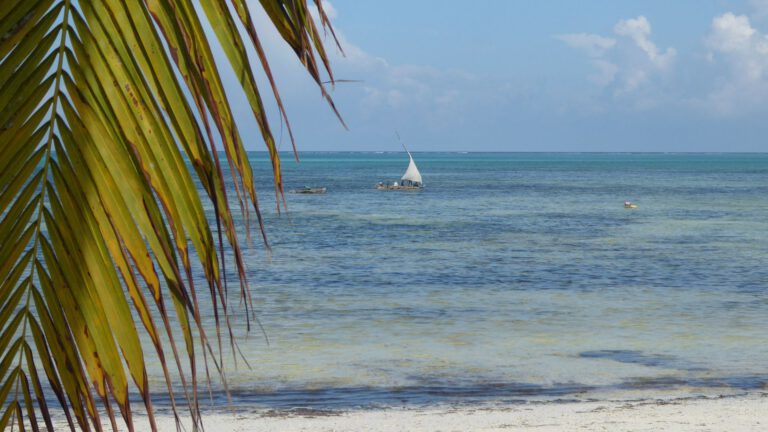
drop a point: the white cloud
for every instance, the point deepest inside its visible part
(383, 85)
(639, 30)
(731, 77)
(731, 34)
(605, 72)
(743, 50)
(625, 61)
(390, 86)
(594, 45)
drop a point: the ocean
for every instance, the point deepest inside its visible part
(509, 277)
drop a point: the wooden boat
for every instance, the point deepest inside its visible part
(411, 180)
(395, 186)
(309, 190)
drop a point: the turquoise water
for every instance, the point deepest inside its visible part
(511, 276)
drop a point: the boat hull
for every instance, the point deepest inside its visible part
(391, 187)
(310, 191)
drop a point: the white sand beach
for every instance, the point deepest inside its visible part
(727, 414)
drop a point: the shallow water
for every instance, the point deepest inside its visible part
(511, 276)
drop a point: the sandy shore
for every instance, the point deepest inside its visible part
(741, 413)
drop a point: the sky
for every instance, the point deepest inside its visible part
(520, 75)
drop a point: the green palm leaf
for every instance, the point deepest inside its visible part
(104, 107)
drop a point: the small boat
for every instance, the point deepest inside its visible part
(411, 180)
(309, 190)
(629, 205)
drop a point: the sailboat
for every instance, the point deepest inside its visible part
(411, 180)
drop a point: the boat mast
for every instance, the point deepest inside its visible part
(403, 144)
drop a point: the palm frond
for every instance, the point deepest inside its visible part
(104, 107)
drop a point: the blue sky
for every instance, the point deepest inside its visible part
(507, 75)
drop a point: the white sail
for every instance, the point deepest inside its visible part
(412, 173)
